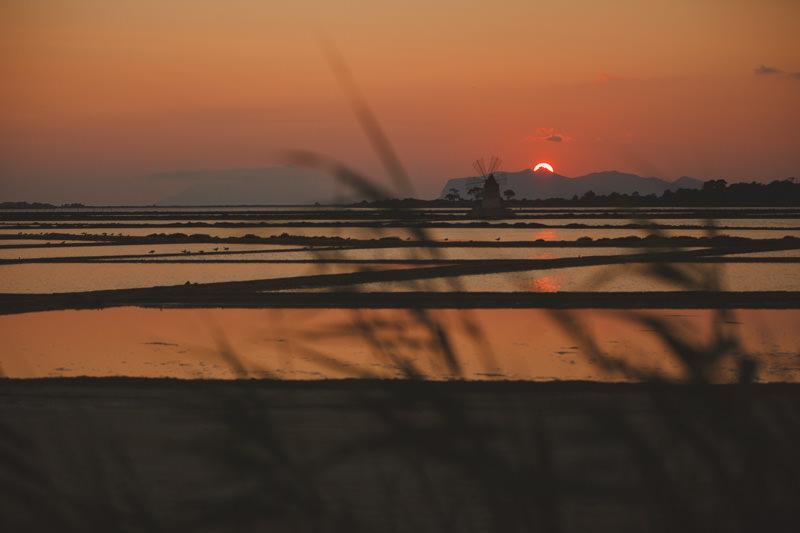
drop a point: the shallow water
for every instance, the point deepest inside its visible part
(775, 253)
(315, 344)
(142, 250)
(198, 263)
(453, 233)
(11, 243)
(75, 277)
(791, 224)
(300, 344)
(612, 278)
(236, 252)
(78, 277)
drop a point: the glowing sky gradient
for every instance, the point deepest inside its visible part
(97, 96)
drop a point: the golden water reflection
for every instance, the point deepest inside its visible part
(334, 343)
(544, 284)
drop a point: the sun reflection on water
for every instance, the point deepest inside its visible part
(544, 235)
(544, 284)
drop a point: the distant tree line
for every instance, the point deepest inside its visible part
(713, 193)
(476, 193)
(35, 205)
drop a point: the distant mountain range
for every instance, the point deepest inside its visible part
(542, 185)
(289, 185)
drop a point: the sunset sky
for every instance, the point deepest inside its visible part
(99, 96)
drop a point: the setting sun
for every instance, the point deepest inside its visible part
(544, 165)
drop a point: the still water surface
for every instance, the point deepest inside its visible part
(301, 344)
(316, 344)
(76, 277)
(453, 233)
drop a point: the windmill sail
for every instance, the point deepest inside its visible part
(485, 170)
(490, 204)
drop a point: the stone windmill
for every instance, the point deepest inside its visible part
(490, 204)
(485, 171)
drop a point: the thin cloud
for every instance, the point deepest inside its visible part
(765, 70)
(605, 77)
(547, 134)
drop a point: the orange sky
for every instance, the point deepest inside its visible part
(97, 96)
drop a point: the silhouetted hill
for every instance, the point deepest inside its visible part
(541, 185)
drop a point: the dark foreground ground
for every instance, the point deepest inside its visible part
(131, 455)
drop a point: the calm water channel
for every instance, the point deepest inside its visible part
(300, 344)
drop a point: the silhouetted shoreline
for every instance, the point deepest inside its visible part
(232, 295)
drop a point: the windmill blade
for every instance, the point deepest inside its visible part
(479, 166)
(494, 164)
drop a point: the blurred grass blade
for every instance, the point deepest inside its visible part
(372, 128)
